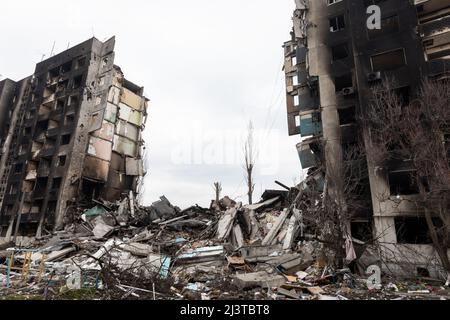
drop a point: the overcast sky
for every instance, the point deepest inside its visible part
(208, 66)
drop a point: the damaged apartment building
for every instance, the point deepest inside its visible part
(69, 133)
(331, 63)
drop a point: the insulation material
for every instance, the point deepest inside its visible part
(135, 167)
(127, 130)
(100, 148)
(95, 168)
(131, 99)
(130, 115)
(125, 146)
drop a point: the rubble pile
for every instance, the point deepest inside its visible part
(229, 251)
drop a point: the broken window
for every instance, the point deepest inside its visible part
(66, 67)
(80, 62)
(296, 100)
(62, 161)
(53, 74)
(18, 168)
(73, 101)
(340, 51)
(389, 25)
(57, 183)
(62, 86)
(388, 60)
(343, 82)
(337, 23)
(69, 120)
(59, 104)
(41, 185)
(414, 230)
(347, 115)
(65, 139)
(297, 121)
(77, 81)
(403, 183)
(362, 230)
(41, 127)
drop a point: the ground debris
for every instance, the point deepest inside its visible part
(229, 251)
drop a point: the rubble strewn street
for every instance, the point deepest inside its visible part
(228, 251)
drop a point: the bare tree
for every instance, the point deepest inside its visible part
(218, 191)
(250, 160)
(416, 133)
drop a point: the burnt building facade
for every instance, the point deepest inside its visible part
(331, 63)
(70, 132)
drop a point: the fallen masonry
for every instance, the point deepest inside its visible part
(228, 251)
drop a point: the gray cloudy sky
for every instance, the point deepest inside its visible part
(208, 66)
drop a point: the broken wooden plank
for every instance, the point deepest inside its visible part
(276, 228)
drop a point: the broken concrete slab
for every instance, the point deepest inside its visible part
(226, 224)
(292, 294)
(276, 228)
(260, 279)
(101, 229)
(202, 255)
(238, 236)
(137, 249)
(262, 205)
(290, 233)
(260, 251)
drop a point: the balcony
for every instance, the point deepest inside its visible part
(310, 124)
(310, 152)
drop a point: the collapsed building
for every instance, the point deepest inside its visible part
(70, 132)
(331, 64)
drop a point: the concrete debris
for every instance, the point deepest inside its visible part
(259, 279)
(161, 252)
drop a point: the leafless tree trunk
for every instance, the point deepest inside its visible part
(417, 132)
(217, 190)
(250, 160)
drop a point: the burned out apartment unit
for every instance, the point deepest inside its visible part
(331, 63)
(71, 132)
